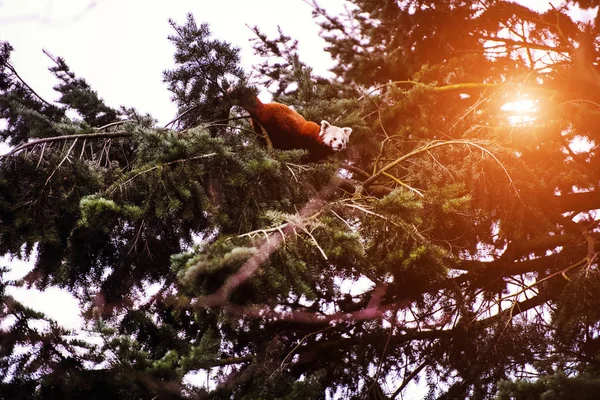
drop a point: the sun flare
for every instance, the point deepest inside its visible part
(521, 111)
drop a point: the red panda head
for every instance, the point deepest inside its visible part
(334, 137)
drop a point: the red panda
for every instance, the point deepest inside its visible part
(288, 130)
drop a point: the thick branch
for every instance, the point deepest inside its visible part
(528, 45)
(523, 248)
(228, 361)
(379, 339)
(578, 201)
(517, 308)
(460, 86)
(507, 268)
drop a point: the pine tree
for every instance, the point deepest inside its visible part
(473, 233)
(207, 72)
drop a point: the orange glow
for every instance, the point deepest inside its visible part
(521, 111)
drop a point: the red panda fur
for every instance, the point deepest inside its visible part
(287, 129)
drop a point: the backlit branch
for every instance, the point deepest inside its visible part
(430, 146)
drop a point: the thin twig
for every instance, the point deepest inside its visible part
(111, 190)
(399, 182)
(430, 146)
(387, 342)
(266, 232)
(61, 163)
(409, 378)
(342, 219)
(114, 124)
(82, 149)
(316, 243)
(41, 156)
(291, 353)
(14, 71)
(177, 118)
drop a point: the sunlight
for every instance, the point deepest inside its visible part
(521, 111)
(521, 106)
(581, 144)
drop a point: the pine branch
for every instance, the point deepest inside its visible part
(34, 143)
(16, 74)
(430, 146)
(457, 86)
(378, 339)
(577, 201)
(434, 334)
(239, 128)
(409, 378)
(518, 249)
(527, 45)
(447, 88)
(504, 267)
(535, 284)
(136, 174)
(228, 361)
(248, 269)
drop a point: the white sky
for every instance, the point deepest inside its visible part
(120, 46)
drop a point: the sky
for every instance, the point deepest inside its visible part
(120, 46)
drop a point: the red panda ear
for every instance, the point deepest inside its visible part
(324, 126)
(347, 131)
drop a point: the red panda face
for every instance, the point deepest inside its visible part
(334, 137)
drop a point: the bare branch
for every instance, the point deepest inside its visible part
(33, 143)
(15, 73)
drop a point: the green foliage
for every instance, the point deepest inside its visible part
(207, 69)
(553, 387)
(77, 94)
(27, 115)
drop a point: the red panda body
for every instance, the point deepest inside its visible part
(288, 130)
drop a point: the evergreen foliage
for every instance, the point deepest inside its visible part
(207, 69)
(453, 244)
